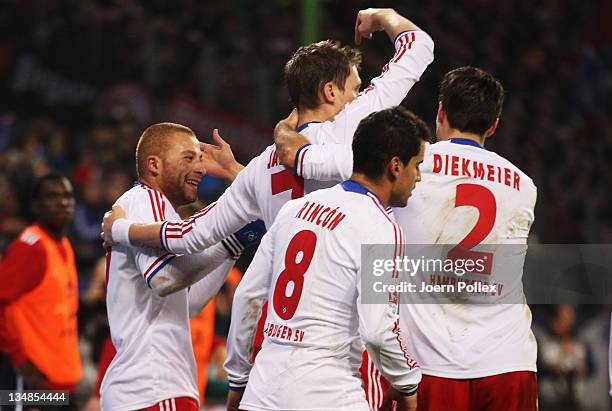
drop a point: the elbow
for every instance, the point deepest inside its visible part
(164, 287)
(164, 291)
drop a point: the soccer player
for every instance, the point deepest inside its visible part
(323, 83)
(39, 294)
(308, 267)
(147, 299)
(473, 357)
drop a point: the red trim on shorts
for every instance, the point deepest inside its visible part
(174, 404)
(512, 391)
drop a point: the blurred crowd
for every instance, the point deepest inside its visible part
(80, 80)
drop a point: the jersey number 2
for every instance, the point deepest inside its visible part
(297, 260)
(482, 198)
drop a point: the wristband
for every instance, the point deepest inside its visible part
(121, 232)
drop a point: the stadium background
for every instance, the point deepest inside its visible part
(80, 80)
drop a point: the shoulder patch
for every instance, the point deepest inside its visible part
(29, 238)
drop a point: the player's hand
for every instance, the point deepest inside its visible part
(233, 399)
(219, 159)
(287, 140)
(395, 401)
(291, 121)
(368, 21)
(107, 224)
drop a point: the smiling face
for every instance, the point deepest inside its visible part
(181, 169)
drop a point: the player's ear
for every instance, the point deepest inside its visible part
(154, 165)
(328, 93)
(394, 167)
(492, 129)
(441, 115)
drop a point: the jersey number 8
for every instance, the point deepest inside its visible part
(297, 260)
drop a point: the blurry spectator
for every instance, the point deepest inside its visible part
(593, 393)
(106, 356)
(93, 326)
(96, 346)
(38, 299)
(11, 222)
(87, 217)
(562, 362)
(116, 185)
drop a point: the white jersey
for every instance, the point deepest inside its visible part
(461, 341)
(313, 345)
(468, 190)
(154, 359)
(265, 185)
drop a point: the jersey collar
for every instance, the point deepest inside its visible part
(303, 126)
(465, 142)
(146, 187)
(354, 187)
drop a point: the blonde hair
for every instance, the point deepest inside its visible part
(155, 140)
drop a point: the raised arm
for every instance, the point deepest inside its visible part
(387, 20)
(333, 160)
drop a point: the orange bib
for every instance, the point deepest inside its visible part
(45, 319)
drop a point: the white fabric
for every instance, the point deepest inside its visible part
(154, 359)
(317, 353)
(459, 341)
(204, 290)
(468, 340)
(121, 232)
(265, 185)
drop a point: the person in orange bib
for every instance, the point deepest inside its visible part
(39, 296)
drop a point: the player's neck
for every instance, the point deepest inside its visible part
(454, 133)
(150, 182)
(381, 189)
(323, 112)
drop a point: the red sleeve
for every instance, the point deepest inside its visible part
(21, 269)
(107, 355)
(9, 340)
